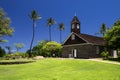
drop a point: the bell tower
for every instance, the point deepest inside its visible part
(75, 25)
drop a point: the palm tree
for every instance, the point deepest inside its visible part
(103, 29)
(19, 46)
(34, 16)
(9, 48)
(61, 27)
(50, 22)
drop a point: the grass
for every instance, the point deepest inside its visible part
(60, 69)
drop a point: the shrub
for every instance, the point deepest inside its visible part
(2, 52)
(54, 49)
(16, 55)
(118, 53)
(9, 62)
(104, 54)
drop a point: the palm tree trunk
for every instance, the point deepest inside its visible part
(50, 32)
(60, 36)
(33, 33)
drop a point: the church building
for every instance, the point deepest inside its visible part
(79, 45)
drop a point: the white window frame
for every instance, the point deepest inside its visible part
(78, 26)
(97, 50)
(72, 37)
(73, 26)
(74, 53)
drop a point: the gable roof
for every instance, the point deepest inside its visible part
(93, 39)
(88, 39)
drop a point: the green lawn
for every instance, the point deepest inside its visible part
(60, 69)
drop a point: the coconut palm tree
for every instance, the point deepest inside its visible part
(9, 48)
(34, 16)
(103, 29)
(61, 27)
(19, 46)
(50, 22)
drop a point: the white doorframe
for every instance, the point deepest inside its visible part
(74, 52)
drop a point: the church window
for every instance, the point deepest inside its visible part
(77, 26)
(73, 26)
(73, 37)
(97, 49)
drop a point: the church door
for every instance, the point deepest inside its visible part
(74, 53)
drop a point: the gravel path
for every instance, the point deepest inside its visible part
(100, 60)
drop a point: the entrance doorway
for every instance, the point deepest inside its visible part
(74, 53)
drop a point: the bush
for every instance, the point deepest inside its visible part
(104, 55)
(16, 55)
(10, 62)
(118, 53)
(2, 52)
(54, 49)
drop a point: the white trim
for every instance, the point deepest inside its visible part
(74, 52)
(97, 50)
(78, 44)
(76, 35)
(67, 38)
(78, 26)
(73, 37)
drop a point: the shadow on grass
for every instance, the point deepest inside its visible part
(114, 59)
(7, 62)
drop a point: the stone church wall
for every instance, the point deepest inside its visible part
(83, 51)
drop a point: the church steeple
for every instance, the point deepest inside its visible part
(75, 25)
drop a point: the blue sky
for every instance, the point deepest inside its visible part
(91, 13)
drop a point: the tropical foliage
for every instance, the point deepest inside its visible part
(37, 50)
(9, 48)
(47, 49)
(19, 46)
(34, 16)
(2, 52)
(5, 29)
(61, 27)
(50, 22)
(53, 48)
(103, 29)
(104, 55)
(17, 55)
(113, 36)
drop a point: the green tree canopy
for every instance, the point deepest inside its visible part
(34, 16)
(103, 29)
(53, 48)
(117, 23)
(5, 29)
(9, 48)
(113, 36)
(2, 52)
(19, 46)
(37, 50)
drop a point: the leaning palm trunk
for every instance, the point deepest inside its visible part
(33, 33)
(34, 16)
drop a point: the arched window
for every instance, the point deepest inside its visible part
(73, 26)
(78, 26)
(73, 37)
